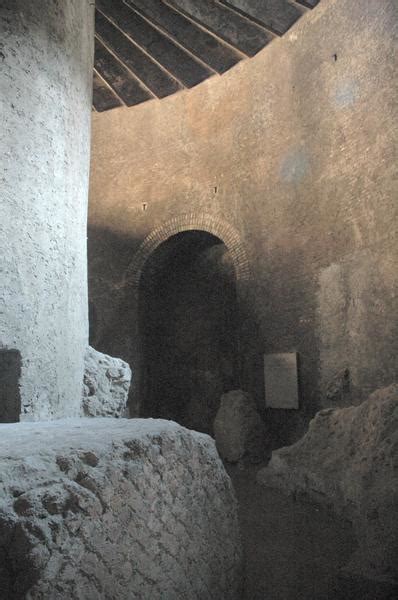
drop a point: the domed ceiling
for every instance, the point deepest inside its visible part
(148, 49)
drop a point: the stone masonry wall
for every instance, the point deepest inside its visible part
(296, 149)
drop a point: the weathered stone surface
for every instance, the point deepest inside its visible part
(106, 385)
(46, 56)
(238, 428)
(349, 460)
(303, 167)
(115, 509)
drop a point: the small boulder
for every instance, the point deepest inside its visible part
(106, 385)
(238, 428)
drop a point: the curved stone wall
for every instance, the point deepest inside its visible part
(45, 98)
(296, 149)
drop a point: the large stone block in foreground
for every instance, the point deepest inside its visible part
(115, 509)
(349, 460)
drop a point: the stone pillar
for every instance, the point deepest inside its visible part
(46, 51)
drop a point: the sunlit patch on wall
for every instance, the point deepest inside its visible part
(346, 94)
(295, 166)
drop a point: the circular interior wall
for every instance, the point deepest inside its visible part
(188, 329)
(45, 98)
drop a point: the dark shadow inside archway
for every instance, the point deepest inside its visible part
(188, 319)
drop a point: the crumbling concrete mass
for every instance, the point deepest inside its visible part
(106, 385)
(115, 509)
(349, 460)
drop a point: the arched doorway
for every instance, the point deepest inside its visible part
(188, 326)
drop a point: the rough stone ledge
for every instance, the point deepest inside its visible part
(349, 460)
(115, 509)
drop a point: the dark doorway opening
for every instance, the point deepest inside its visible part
(10, 397)
(188, 316)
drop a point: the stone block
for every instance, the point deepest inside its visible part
(349, 460)
(106, 385)
(238, 428)
(115, 509)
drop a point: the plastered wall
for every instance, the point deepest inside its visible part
(296, 149)
(45, 99)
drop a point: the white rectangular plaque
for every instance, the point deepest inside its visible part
(281, 380)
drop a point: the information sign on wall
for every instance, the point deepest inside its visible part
(281, 380)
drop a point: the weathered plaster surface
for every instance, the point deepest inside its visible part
(45, 98)
(115, 509)
(297, 150)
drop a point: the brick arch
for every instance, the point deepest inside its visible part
(190, 222)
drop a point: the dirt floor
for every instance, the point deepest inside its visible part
(295, 550)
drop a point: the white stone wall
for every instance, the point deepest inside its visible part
(45, 110)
